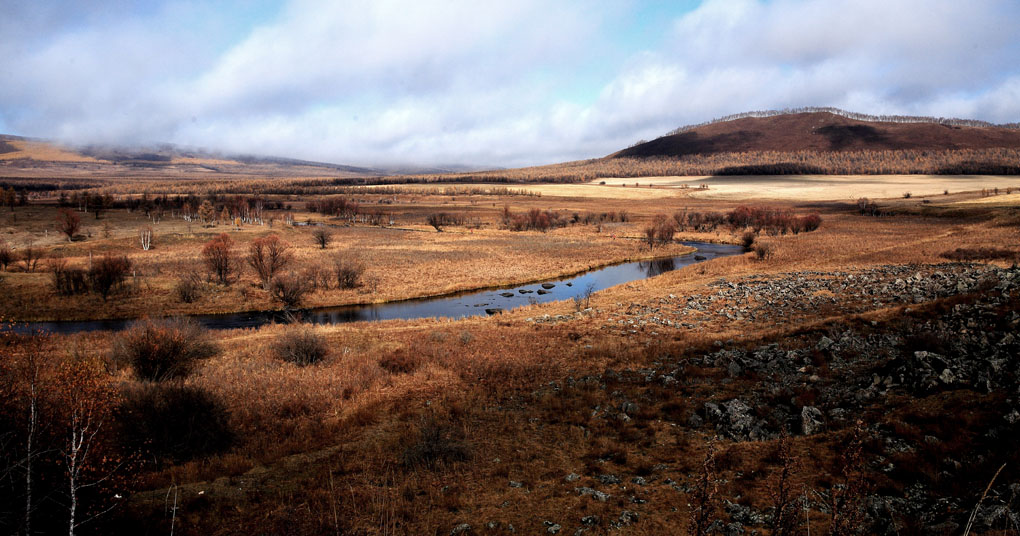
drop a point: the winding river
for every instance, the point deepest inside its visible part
(460, 305)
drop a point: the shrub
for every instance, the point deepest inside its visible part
(301, 346)
(108, 273)
(6, 255)
(747, 239)
(867, 207)
(322, 237)
(347, 271)
(67, 281)
(267, 256)
(290, 289)
(435, 443)
(763, 251)
(438, 220)
(188, 288)
(400, 362)
(175, 422)
(219, 257)
(810, 222)
(30, 258)
(162, 349)
(973, 254)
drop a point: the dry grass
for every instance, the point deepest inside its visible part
(320, 447)
(805, 188)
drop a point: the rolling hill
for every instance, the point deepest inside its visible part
(825, 131)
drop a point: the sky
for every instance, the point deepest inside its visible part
(483, 83)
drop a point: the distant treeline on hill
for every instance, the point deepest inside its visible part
(849, 115)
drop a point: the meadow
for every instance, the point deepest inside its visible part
(586, 417)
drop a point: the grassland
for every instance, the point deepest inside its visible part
(507, 407)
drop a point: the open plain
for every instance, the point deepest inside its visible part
(812, 370)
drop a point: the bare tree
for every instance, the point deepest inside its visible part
(68, 222)
(267, 256)
(88, 398)
(322, 237)
(30, 258)
(145, 237)
(219, 257)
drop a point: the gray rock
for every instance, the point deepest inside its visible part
(551, 528)
(572, 477)
(609, 479)
(598, 495)
(811, 420)
(463, 528)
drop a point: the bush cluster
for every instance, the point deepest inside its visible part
(175, 422)
(301, 346)
(108, 273)
(163, 349)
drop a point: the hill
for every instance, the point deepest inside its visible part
(29, 157)
(825, 131)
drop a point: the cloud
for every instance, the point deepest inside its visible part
(460, 82)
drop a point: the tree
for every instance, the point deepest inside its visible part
(206, 212)
(219, 257)
(68, 222)
(107, 273)
(145, 237)
(87, 395)
(322, 237)
(267, 256)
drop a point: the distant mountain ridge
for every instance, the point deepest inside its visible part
(952, 121)
(825, 130)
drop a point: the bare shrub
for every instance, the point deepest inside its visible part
(163, 349)
(763, 250)
(973, 254)
(290, 289)
(867, 207)
(438, 220)
(67, 281)
(400, 362)
(810, 222)
(108, 273)
(219, 257)
(435, 443)
(6, 255)
(907, 195)
(301, 346)
(747, 239)
(175, 422)
(188, 288)
(30, 257)
(68, 222)
(267, 256)
(347, 271)
(322, 237)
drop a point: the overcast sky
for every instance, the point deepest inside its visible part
(501, 83)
